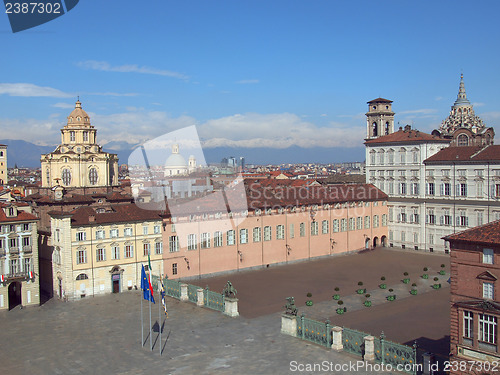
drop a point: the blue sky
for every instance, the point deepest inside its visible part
(248, 74)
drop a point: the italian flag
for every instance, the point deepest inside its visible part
(149, 276)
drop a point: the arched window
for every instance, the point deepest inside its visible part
(66, 176)
(374, 129)
(463, 140)
(82, 276)
(93, 176)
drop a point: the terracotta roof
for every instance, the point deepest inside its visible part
(380, 100)
(117, 214)
(466, 153)
(21, 215)
(344, 179)
(402, 136)
(259, 196)
(484, 234)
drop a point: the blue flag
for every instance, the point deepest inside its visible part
(146, 287)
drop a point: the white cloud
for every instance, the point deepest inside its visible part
(113, 94)
(424, 111)
(438, 98)
(478, 104)
(29, 89)
(107, 67)
(42, 132)
(247, 81)
(64, 105)
(276, 131)
(249, 130)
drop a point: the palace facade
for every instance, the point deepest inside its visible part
(437, 183)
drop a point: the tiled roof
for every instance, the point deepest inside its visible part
(259, 196)
(345, 179)
(117, 214)
(403, 136)
(21, 215)
(466, 153)
(380, 100)
(484, 234)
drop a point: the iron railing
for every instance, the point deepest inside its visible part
(213, 300)
(314, 331)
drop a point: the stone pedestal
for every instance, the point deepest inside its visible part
(337, 338)
(231, 307)
(184, 292)
(289, 324)
(369, 348)
(200, 298)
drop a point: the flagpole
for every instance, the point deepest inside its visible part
(159, 320)
(142, 321)
(150, 338)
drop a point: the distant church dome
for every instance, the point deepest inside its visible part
(176, 164)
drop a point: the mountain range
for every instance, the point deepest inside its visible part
(27, 154)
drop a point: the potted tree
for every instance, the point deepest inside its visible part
(442, 272)
(360, 290)
(383, 285)
(309, 302)
(367, 302)
(425, 275)
(413, 290)
(406, 279)
(391, 297)
(436, 285)
(340, 309)
(336, 296)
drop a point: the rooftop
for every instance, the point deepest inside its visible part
(484, 234)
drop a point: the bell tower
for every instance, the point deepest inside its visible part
(379, 118)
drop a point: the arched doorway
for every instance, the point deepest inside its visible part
(116, 279)
(383, 241)
(14, 294)
(375, 242)
(367, 243)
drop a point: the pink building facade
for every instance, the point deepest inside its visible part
(282, 225)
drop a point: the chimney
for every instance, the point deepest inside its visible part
(407, 128)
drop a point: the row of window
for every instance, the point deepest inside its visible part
(128, 252)
(10, 228)
(72, 136)
(461, 217)
(389, 159)
(486, 330)
(14, 242)
(66, 176)
(100, 234)
(266, 233)
(14, 266)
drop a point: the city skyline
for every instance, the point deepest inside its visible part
(285, 78)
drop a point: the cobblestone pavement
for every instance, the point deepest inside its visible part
(101, 335)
